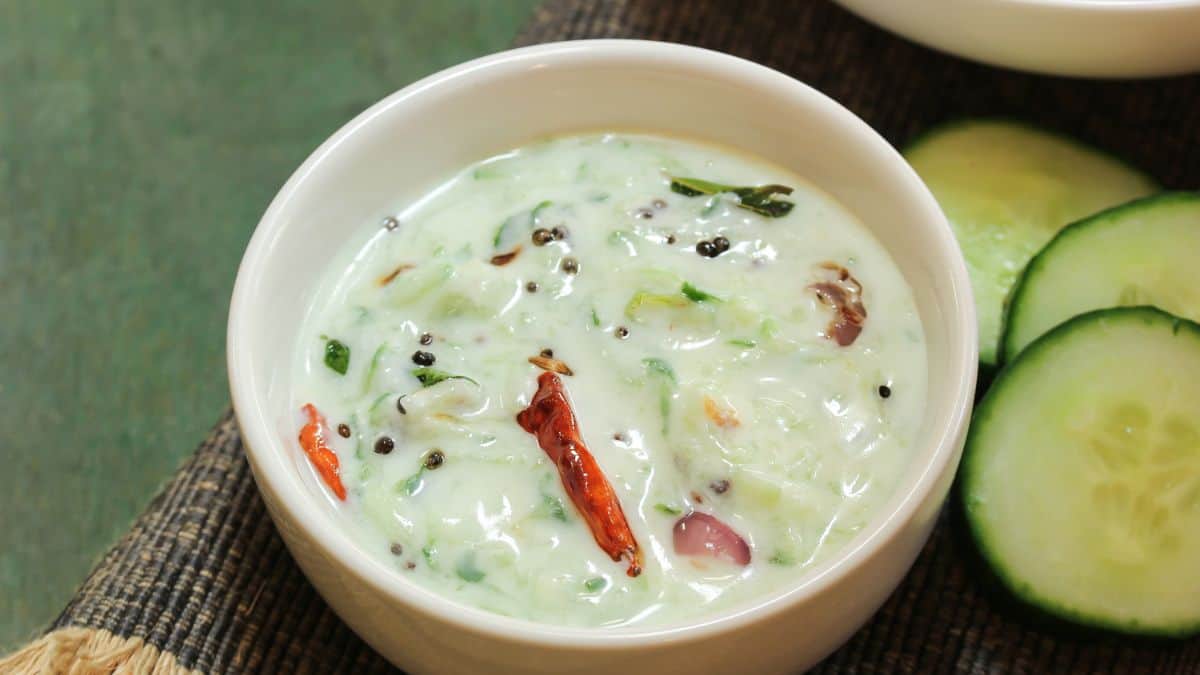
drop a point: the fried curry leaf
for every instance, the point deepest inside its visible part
(468, 570)
(760, 199)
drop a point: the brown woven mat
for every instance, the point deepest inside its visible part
(202, 582)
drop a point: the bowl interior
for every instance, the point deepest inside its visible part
(420, 136)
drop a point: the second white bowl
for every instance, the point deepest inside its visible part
(1084, 38)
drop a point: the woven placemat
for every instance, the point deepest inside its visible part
(203, 583)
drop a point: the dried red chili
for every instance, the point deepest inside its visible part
(549, 417)
(312, 439)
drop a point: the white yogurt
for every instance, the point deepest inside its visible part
(739, 405)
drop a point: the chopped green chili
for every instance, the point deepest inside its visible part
(337, 356)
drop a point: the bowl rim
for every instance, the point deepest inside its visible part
(274, 477)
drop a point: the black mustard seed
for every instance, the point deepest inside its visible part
(384, 445)
(344, 430)
(434, 459)
(422, 358)
(541, 237)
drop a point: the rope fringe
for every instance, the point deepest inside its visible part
(90, 651)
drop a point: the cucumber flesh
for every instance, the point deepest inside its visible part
(1006, 188)
(1081, 475)
(1146, 252)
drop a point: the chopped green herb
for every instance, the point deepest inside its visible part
(467, 569)
(358, 437)
(696, 295)
(740, 342)
(431, 376)
(486, 173)
(768, 329)
(373, 366)
(377, 413)
(337, 356)
(759, 199)
(378, 399)
(553, 507)
(412, 485)
(530, 218)
(618, 237)
(537, 211)
(661, 367)
(666, 390)
(595, 318)
(430, 552)
(669, 509)
(782, 558)
(595, 584)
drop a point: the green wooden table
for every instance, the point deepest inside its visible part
(140, 140)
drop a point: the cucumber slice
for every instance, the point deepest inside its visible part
(1007, 188)
(1081, 474)
(1146, 252)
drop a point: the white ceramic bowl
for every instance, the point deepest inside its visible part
(418, 136)
(1084, 38)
